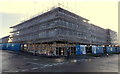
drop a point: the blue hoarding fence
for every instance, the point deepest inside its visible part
(10, 46)
(80, 49)
(118, 49)
(100, 49)
(94, 49)
(111, 49)
(3, 46)
(16, 47)
(97, 49)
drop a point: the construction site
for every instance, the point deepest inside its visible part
(59, 36)
(56, 31)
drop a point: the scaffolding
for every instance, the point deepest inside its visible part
(56, 31)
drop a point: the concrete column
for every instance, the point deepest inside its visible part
(55, 49)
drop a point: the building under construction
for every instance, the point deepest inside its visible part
(57, 30)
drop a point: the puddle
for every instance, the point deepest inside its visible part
(24, 70)
(35, 59)
(35, 68)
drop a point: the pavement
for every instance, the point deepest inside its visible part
(22, 62)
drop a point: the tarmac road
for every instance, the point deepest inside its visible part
(21, 62)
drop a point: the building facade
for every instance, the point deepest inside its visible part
(56, 31)
(111, 37)
(4, 39)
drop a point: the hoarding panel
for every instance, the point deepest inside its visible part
(118, 49)
(4, 46)
(1, 46)
(83, 49)
(94, 49)
(78, 52)
(110, 49)
(99, 50)
(15, 46)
